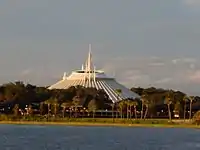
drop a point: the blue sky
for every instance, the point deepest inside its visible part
(142, 43)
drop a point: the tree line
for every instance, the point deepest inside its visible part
(19, 98)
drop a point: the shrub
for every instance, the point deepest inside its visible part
(196, 118)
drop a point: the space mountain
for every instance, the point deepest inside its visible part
(88, 76)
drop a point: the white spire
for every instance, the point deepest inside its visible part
(64, 76)
(89, 59)
(87, 68)
(82, 67)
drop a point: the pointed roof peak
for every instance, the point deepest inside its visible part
(64, 76)
(90, 48)
(90, 54)
(88, 65)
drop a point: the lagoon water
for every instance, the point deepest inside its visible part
(34, 137)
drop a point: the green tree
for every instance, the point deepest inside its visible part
(92, 106)
(30, 110)
(76, 103)
(196, 118)
(177, 108)
(15, 92)
(42, 94)
(16, 109)
(185, 100)
(152, 105)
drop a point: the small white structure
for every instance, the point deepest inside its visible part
(88, 76)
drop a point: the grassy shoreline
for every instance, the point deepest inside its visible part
(100, 124)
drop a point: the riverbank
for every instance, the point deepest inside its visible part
(174, 125)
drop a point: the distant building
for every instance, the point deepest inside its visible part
(88, 76)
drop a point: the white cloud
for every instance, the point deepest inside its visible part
(159, 72)
(26, 72)
(139, 78)
(157, 64)
(163, 81)
(189, 60)
(184, 60)
(136, 80)
(175, 61)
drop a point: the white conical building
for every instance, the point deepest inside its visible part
(88, 76)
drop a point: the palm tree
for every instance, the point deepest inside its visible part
(55, 105)
(113, 107)
(76, 102)
(128, 108)
(49, 102)
(185, 99)
(168, 100)
(135, 103)
(146, 104)
(144, 100)
(131, 104)
(118, 92)
(191, 98)
(121, 106)
(117, 109)
(41, 108)
(64, 106)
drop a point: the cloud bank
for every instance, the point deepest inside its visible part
(159, 72)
